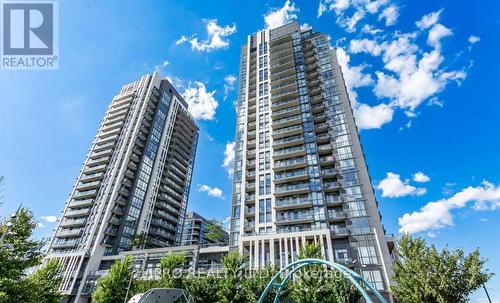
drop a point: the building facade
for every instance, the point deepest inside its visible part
(133, 189)
(200, 231)
(300, 174)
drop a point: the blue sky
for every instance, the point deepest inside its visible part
(425, 88)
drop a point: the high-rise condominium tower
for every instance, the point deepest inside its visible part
(200, 231)
(300, 173)
(133, 188)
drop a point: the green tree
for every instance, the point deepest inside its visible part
(112, 287)
(45, 283)
(18, 253)
(215, 230)
(203, 289)
(2, 188)
(258, 282)
(173, 269)
(140, 240)
(233, 288)
(315, 284)
(424, 274)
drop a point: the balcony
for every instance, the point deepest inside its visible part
(250, 186)
(339, 231)
(72, 222)
(291, 189)
(331, 186)
(288, 131)
(251, 175)
(77, 213)
(286, 112)
(249, 225)
(333, 200)
(85, 194)
(336, 215)
(249, 211)
(65, 244)
(325, 148)
(91, 177)
(321, 138)
(327, 160)
(81, 203)
(319, 117)
(293, 203)
(294, 217)
(284, 122)
(288, 141)
(329, 172)
(291, 163)
(289, 152)
(251, 143)
(250, 199)
(321, 126)
(95, 169)
(251, 154)
(252, 125)
(290, 176)
(88, 185)
(69, 233)
(252, 134)
(285, 104)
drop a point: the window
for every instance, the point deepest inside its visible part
(264, 210)
(374, 278)
(360, 226)
(367, 255)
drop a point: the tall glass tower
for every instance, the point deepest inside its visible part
(300, 174)
(133, 188)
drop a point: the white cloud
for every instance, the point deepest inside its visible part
(369, 29)
(202, 104)
(305, 26)
(390, 14)
(393, 187)
(473, 39)
(438, 32)
(229, 82)
(280, 16)
(421, 177)
(361, 8)
(369, 117)
(365, 46)
(229, 158)
(429, 20)
(211, 191)
(437, 215)
(374, 6)
(49, 219)
(217, 37)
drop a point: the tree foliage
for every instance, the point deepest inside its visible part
(424, 274)
(215, 230)
(315, 284)
(112, 288)
(173, 269)
(45, 283)
(19, 254)
(234, 287)
(203, 289)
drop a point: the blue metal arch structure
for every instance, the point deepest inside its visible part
(352, 276)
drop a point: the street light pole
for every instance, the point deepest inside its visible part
(487, 294)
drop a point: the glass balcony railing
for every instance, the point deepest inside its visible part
(294, 216)
(288, 188)
(287, 119)
(287, 129)
(288, 139)
(285, 151)
(286, 110)
(290, 174)
(285, 202)
(288, 162)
